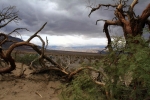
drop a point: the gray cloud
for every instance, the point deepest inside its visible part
(64, 17)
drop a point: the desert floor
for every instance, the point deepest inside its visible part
(44, 86)
(28, 86)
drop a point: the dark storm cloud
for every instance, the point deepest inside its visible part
(64, 17)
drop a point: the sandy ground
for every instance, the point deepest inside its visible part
(28, 87)
(44, 86)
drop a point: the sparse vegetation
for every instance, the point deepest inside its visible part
(26, 58)
(125, 76)
(81, 88)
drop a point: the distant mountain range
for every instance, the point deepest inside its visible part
(87, 48)
(6, 45)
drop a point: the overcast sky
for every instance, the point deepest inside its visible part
(68, 21)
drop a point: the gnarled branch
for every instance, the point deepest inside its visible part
(89, 68)
(133, 4)
(100, 5)
(7, 56)
(16, 30)
(36, 33)
(107, 23)
(145, 14)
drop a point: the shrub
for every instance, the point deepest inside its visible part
(26, 58)
(128, 75)
(81, 88)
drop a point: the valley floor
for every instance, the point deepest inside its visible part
(28, 87)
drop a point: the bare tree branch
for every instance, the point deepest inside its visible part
(89, 68)
(46, 43)
(100, 5)
(99, 83)
(36, 33)
(145, 14)
(107, 23)
(8, 22)
(133, 4)
(16, 30)
(7, 56)
(8, 15)
(3, 37)
(100, 20)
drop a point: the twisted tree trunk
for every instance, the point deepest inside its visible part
(131, 24)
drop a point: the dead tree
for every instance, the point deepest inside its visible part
(125, 17)
(11, 62)
(6, 56)
(8, 15)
